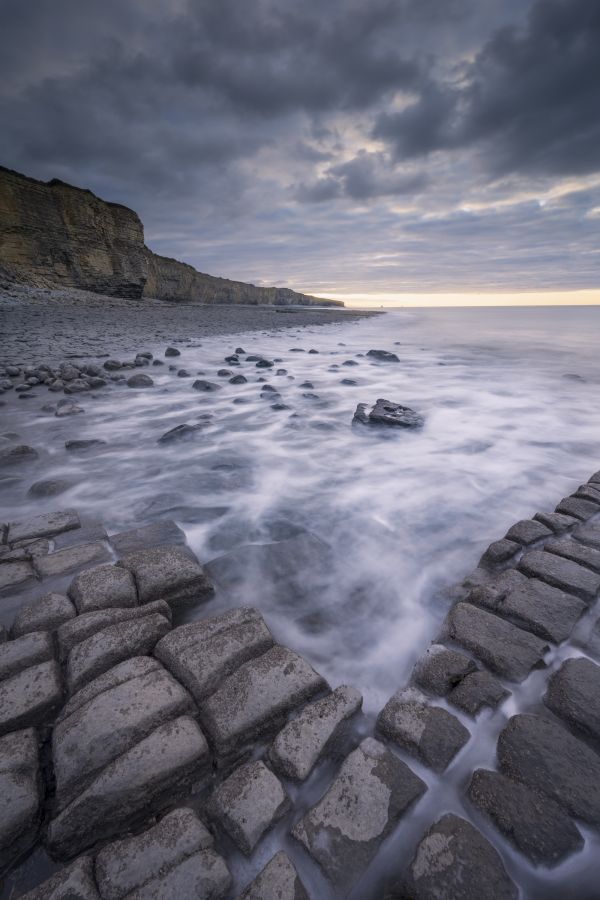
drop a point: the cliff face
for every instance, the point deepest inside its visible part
(55, 235)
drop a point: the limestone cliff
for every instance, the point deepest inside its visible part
(55, 235)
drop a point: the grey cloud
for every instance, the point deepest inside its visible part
(365, 177)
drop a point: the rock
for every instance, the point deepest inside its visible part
(371, 792)
(103, 650)
(383, 355)
(303, 741)
(136, 864)
(111, 365)
(499, 552)
(30, 697)
(11, 456)
(20, 792)
(528, 531)
(248, 803)
(129, 788)
(387, 413)
(24, 652)
(67, 408)
(62, 562)
(504, 648)
(561, 573)
(535, 824)
(279, 879)
(440, 670)
(543, 755)
(168, 573)
(15, 575)
(589, 492)
(578, 508)
(179, 433)
(74, 882)
(574, 695)
(203, 653)
(477, 690)
(430, 733)
(77, 386)
(49, 488)
(77, 630)
(141, 380)
(44, 614)
(183, 373)
(47, 525)
(158, 534)
(238, 379)
(96, 731)
(556, 522)
(77, 445)
(588, 534)
(205, 386)
(103, 587)
(172, 351)
(253, 700)
(573, 550)
(453, 861)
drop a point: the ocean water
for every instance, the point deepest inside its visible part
(511, 403)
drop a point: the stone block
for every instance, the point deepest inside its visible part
(279, 879)
(25, 651)
(561, 573)
(158, 534)
(528, 531)
(168, 573)
(439, 670)
(499, 552)
(84, 626)
(63, 562)
(74, 882)
(46, 613)
(574, 695)
(15, 575)
(578, 507)
(46, 525)
(21, 795)
(476, 690)
(31, 697)
(103, 587)
(575, 551)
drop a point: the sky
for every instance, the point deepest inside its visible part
(376, 151)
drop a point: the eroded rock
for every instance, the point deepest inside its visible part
(168, 573)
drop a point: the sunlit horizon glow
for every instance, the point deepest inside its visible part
(390, 299)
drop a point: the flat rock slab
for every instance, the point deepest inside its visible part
(248, 803)
(344, 830)
(561, 573)
(24, 652)
(100, 728)
(535, 824)
(257, 696)
(31, 697)
(303, 741)
(579, 553)
(46, 613)
(15, 575)
(507, 650)
(588, 534)
(43, 526)
(453, 861)
(542, 754)
(74, 882)
(499, 552)
(129, 788)
(440, 670)
(528, 531)
(574, 695)
(62, 562)
(556, 522)
(72, 633)
(477, 690)
(129, 864)
(21, 796)
(203, 653)
(578, 507)
(103, 650)
(157, 534)
(279, 879)
(168, 573)
(103, 587)
(430, 733)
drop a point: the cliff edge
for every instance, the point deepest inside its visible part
(53, 234)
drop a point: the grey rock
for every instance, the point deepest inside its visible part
(578, 508)
(103, 587)
(279, 879)
(84, 626)
(371, 792)
(588, 534)
(20, 792)
(253, 700)
(168, 573)
(504, 648)
(574, 695)
(573, 550)
(74, 882)
(202, 876)
(46, 525)
(387, 413)
(477, 690)
(106, 648)
(172, 351)
(248, 803)
(527, 531)
(556, 522)
(534, 823)
(88, 534)
(430, 733)
(77, 386)
(453, 861)
(179, 433)
(49, 488)
(76, 445)
(542, 754)
(129, 788)
(14, 575)
(203, 653)
(63, 562)
(24, 652)
(68, 408)
(440, 670)
(31, 697)
(129, 864)
(141, 380)
(158, 534)
(205, 386)
(499, 552)
(561, 573)
(136, 667)
(589, 492)
(238, 379)
(303, 741)
(383, 355)
(11, 456)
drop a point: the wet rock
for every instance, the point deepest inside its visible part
(103, 650)
(158, 534)
(67, 408)
(588, 534)
(499, 552)
(46, 613)
(589, 492)
(20, 792)
(179, 433)
(77, 445)
(203, 653)
(344, 830)
(504, 648)
(556, 522)
(248, 803)
(313, 733)
(84, 626)
(527, 531)
(30, 697)
(254, 700)
(140, 381)
(172, 351)
(535, 824)
(440, 670)
(88, 534)
(46, 525)
(183, 373)
(14, 575)
(578, 508)
(49, 488)
(24, 652)
(129, 788)
(62, 562)
(103, 587)
(205, 386)
(574, 695)
(389, 414)
(77, 386)
(349, 382)
(74, 882)
(561, 573)
(21, 454)
(573, 550)
(168, 573)
(542, 754)
(453, 861)
(477, 690)
(279, 879)
(383, 355)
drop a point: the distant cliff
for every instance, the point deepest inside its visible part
(55, 235)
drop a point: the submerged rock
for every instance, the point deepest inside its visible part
(387, 413)
(383, 355)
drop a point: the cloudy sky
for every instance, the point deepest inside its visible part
(366, 149)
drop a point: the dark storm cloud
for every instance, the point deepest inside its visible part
(366, 176)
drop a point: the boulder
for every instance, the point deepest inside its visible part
(10, 456)
(588, 534)
(578, 507)
(476, 690)
(103, 587)
(205, 386)
(84, 626)
(168, 573)
(574, 695)
(279, 879)
(158, 534)
(387, 413)
(556, 522)
(63, 562)
(140, 380)
(499, 552)
(528, 531)
(14, 575)
(74, 882)
(46, 613)
(179, 433)
(21, 795)
(573, 550)
(561, 573)
(31, 697)
(382, 355)
(440, 670)
(25, 651)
